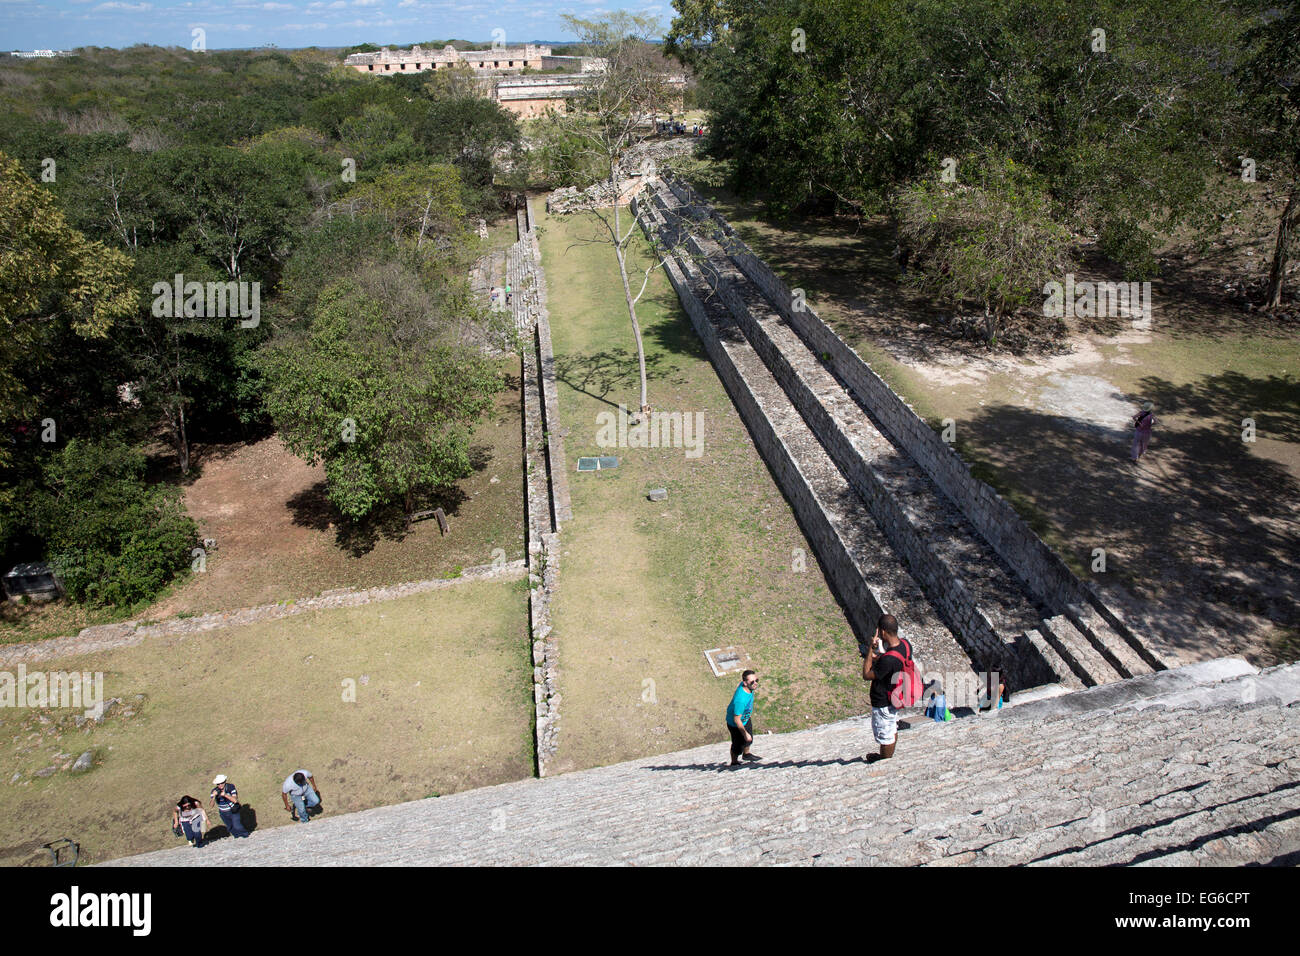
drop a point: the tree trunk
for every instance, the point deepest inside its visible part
(627, 296)
(1282, 251)
(181, 439)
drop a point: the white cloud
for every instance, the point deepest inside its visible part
(115, 5)
(365, 3)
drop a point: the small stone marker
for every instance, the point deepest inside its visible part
(725, 660)
(84, 762)
(658, 494)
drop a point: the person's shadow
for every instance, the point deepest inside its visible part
(247, 818)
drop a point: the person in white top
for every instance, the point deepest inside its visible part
(300, 787)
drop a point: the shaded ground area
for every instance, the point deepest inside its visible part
(1202, 538)
(645, 588)
(279, 538)
(443, 702)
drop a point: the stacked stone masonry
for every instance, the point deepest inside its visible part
(546, 484)
(993, 581)
(1188, 771)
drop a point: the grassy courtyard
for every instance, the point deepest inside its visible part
(645, 588)
(443, 702)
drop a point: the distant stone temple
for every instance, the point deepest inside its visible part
(505, 59)
(498, 72)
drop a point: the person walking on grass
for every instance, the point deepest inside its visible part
(895, 684)
(740, 718)
(1143, 422)
(189, 815)
(225, 798)
(301, 788)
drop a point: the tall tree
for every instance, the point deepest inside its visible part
(374, 389)
(609, 116)
(1271, 74)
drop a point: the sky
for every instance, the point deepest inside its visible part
(65, 24)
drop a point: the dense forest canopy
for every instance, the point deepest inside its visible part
(314, 207)
(1118, 120)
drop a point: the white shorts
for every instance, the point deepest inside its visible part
(884, 724)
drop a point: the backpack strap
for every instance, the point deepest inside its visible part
(895, 652)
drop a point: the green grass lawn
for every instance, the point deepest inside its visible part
(443, 702)
(645, 588)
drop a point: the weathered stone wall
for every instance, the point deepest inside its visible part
(1045, 575)
(960, 610)
(861, 604)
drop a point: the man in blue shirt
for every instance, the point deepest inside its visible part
(739, 713)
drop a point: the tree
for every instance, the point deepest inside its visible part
(839, 102)
(52, 279)
(608, 116)
(376, 391)
(994, 241)
(112, 538)
(1271, 74)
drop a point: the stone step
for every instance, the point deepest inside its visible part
(865, 576)
(1108, 641)
(1059, 667)
(1077, 651)
(980, 599)
(1214, 785)
(1167, 684)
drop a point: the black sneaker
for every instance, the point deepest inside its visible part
(753, 757)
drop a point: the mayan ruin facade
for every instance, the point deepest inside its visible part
(504, 59)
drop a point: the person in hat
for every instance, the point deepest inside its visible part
(1143, 422)
(226, 800)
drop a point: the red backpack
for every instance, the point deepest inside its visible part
(907, 683)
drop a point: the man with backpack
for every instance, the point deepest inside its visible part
(895, 683)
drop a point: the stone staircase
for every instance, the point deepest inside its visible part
(1194, 766)
(858, 471)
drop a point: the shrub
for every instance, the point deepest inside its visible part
(992, 240)
(112, 538)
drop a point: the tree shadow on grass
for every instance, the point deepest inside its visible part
(597, 374)
(312, 508)
(1273, 402)
(1201, 525)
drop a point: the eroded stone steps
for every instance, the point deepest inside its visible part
(982, 600)
(833, 514)
(1216, 785)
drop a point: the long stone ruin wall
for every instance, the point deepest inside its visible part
(1047, 577)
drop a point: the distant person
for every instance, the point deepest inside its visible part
(995, 690)
(189, 815)
(301, 788)
(889, 666)
(740, 713)
(1143, 422)
(508, 291)
(226, 800)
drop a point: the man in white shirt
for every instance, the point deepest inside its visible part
(300, 787)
